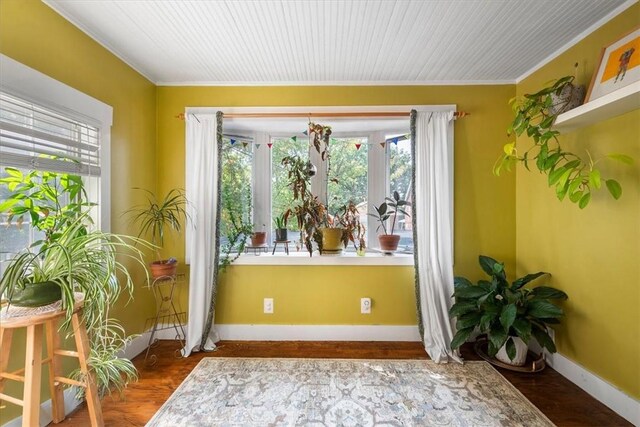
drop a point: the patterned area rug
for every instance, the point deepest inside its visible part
(329, 392)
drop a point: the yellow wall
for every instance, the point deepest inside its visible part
(484, 204)
(593, 254)
(33, 34)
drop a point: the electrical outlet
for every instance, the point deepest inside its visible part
(365, 305)
(268, 306)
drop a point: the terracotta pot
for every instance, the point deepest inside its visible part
(281, 234)
(163, 268)
(389, 242)
(331, 240)
(521, 353)
(259, 238)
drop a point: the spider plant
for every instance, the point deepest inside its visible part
(158, 215)
(90, 263)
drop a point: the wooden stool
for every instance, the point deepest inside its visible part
(34, 319)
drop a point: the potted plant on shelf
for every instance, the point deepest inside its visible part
(509, 313)
(280, 222)
(572, 175)
(390, 209)
(71, 258)
(155, 217)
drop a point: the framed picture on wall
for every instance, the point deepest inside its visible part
(619, 66)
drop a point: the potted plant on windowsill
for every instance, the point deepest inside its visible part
(281, 227)
(389, 209)
(155, 217)
(259, 238)
(308, 211)
(509, 313)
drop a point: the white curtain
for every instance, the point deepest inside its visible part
(433, 221)
(202, 194)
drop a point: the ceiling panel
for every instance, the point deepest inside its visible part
(298, 42)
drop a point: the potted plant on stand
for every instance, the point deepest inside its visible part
(281, 227)
(389, 209)
(71, 258)
(509, 313)
(155, 217)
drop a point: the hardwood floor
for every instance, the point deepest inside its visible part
(560, 400)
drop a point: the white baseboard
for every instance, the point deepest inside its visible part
(620, 402)
(318, 332)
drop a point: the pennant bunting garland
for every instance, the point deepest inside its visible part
(244, 143)
(270, 145)
(395, 141)
(233, 141)
(306, 132)
(383, 144)
(294, 138)
(257, 145)
(358, 146)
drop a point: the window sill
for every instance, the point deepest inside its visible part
(303, 258)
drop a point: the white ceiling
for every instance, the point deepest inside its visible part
(332, 41)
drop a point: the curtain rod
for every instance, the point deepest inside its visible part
(457, 114)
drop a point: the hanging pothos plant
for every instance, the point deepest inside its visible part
(571, 175)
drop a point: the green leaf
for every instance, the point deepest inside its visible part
(462, 307)
(614, 188)
(485, 321)
(523, 329)
(621, 158)
(542, 309)
(547, 292)
(561, 190)
(547, 122)
(594, 179)
(461, 281)
(543, 338)
(526, 279)
(497, 337)
(511, 348)
(487, 264)
(461, 337)
(555, 175)
(507, 316)
(575, 197)
(584, 201)
(469, 320)
(469, 292)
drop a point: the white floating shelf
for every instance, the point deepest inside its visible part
(610, 105)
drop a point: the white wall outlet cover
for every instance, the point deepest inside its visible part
(365, 305)
(268, 305)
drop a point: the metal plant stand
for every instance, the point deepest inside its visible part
(167, 316)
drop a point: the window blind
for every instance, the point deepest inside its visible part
(36, 137)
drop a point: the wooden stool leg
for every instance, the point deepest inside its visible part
(32, 376)
(5, 349)
(55, 370)
(91, 392)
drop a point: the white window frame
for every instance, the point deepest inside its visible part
(378, 168)
(31, 85)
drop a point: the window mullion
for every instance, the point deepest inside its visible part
(378, 183)
(262, 184)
